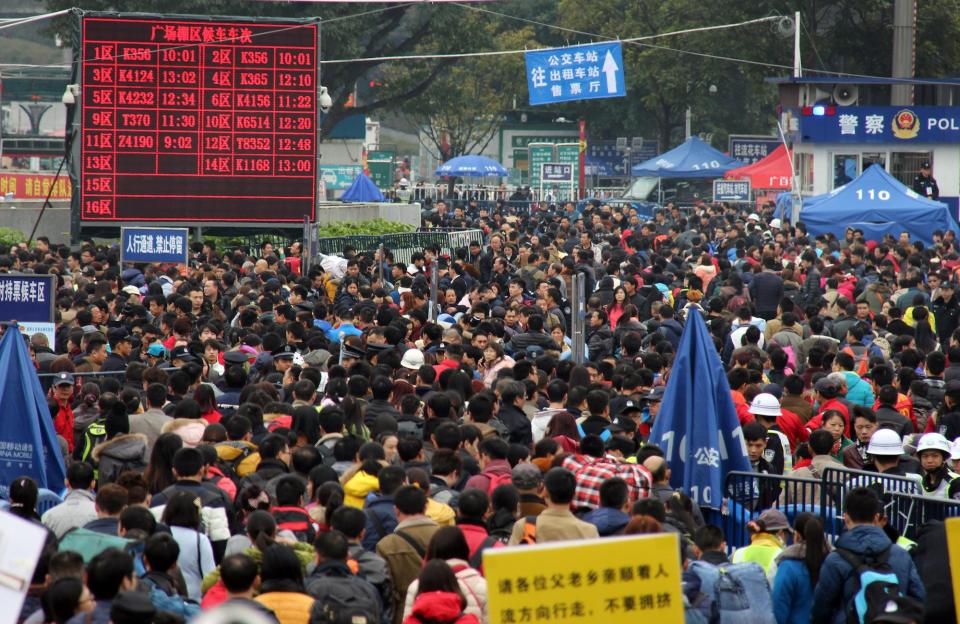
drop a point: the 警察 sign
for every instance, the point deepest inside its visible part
(154, 245)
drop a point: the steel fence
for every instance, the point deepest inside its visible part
(402, 246)
(747, 495)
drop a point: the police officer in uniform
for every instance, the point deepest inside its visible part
(924, 184)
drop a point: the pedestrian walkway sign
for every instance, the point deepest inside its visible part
(584, 72)
(613, 580)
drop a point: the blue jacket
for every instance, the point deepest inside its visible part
(835, 588)
(792, 589)
(858, 390)
(382, 508)
(607, 520)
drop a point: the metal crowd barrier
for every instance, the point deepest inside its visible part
(747, 495)
(402, 245)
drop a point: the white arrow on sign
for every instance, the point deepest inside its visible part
(610, 68)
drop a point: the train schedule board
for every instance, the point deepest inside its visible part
(197, 120)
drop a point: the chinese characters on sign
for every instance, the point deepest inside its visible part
(27, 298)
(34, 186)
(731, 190)
(225, 111)
(154, 245)
(610, 581)
(583, 72)
(556, 172)
(751, 149)
(339, 177)
(882, 124)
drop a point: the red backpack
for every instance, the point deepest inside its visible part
(496, 480)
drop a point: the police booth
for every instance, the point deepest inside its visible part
(839, 126)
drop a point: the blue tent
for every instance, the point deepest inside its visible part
(697, 426)
(878, 204)
(363, 190)
(28, 442)
(471, 167)
(691, 159)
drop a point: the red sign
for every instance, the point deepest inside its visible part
(34, 185)
(198, 120)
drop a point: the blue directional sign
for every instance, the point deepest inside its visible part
(731, 190)
(154, 245)
(27, 298)
(584, 72)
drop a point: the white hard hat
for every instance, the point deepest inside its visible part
(753, 217)
(885, 442)
(934, 442)
(765, 404)
(404, 181)
(955, 449)
(412, 359)
(775, 223)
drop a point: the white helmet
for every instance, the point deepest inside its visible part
(934, 442)
(765, 404)
(955, 450)
(885, 442)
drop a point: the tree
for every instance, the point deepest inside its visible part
(462, 111)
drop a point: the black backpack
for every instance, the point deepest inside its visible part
(342, 602)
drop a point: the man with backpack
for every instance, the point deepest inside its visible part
(494, 467)
(405, 548)
(866, 570)
(351, 522)
(341, 594)
(556, 522)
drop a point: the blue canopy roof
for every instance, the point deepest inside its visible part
(878, 204)
(28, 441)
(472, 167)
(691, 159)
(363, 190)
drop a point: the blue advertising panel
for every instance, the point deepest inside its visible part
(154, 245)
(731, 190)
(879, 124)
(584, 72)
(27, 298)
(751, 149)
(339, 177)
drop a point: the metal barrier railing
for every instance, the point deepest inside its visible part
(747, 495)
(402, 245)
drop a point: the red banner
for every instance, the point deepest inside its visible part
(34, 185)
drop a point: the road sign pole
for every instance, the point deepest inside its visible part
(582, 174)
(577, 317)
(434, 287)
(305, 247)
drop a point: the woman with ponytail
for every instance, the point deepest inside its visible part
(798, 568)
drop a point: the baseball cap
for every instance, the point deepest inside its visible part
(317, 358)
(63, 379)
(827, 388)
(526, 476)
(131, 290)
(412, 359)
(156, 350)
(774, 389)
(117, 334)
(774, 520)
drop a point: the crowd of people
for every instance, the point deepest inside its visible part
(301, 441)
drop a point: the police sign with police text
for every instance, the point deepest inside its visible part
(584, 72)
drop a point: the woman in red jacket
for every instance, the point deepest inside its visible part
(439, 598)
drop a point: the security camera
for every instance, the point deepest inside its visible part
(70, 94)
(324, 100)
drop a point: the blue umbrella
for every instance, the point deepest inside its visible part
(697, 426)
(363, 189)
(28, 442)
(471, 167)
